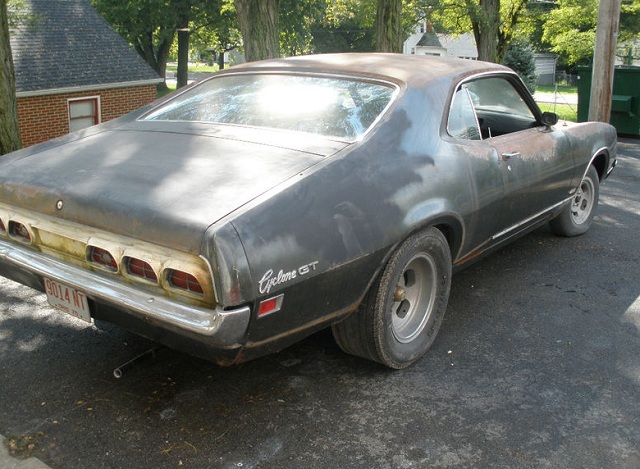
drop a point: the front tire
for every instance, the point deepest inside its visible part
(400, 316)
(576, 218)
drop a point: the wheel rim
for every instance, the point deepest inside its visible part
(414, 298)
(582, 203)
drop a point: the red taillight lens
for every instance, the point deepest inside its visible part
(3, 230)
(184, 281)
(140, 268)
(103, 258)
(19, 231)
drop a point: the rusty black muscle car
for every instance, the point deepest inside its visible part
(276, 198)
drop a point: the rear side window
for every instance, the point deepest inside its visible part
(332, 107)
(463, 122)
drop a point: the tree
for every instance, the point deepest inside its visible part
(297, 18)
(493, 23)
(183, 12)
(389, 37)
(350, 25)
(520, 58)
(570, 28)
(148, 25)
(258, 21)
(9, 131)
(345, 26)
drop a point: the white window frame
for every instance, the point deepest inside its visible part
(98, 109)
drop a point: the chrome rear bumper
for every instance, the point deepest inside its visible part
(220, 327)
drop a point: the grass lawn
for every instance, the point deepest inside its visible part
(198, 67)
(562, 89)
(565, 112)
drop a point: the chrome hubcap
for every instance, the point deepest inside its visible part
(414, 298)
(582, 203)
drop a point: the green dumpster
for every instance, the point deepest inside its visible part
(625, 102)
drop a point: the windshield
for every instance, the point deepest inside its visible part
(328, 106)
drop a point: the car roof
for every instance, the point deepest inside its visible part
(413, 70)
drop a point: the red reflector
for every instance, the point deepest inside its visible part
(19, 231)
(141, 268)
(270, 306)
(184, 281)
(103, 258)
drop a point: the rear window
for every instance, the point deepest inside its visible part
(328, 106)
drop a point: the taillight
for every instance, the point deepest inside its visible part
(184, 281)
(140, 268)
(102, 257)
(3, 230)
(19, 231)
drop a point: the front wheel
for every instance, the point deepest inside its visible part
(576, 218)
(401, 315)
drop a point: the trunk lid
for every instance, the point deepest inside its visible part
(155, 183)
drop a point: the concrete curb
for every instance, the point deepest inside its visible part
(9, 462)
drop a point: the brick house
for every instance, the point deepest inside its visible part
(73, 70)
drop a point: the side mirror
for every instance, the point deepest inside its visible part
(549, 119)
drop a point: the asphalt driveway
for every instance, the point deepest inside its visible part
(537, 365)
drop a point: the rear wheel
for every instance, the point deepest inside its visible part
(576, 218)
(401, 314)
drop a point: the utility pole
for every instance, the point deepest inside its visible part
(604, 60)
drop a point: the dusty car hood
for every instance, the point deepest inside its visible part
(162, 187)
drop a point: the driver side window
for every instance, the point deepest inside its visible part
(496, 105)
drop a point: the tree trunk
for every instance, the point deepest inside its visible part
(156, 58)
(389, 26)
(509, 22)
(184, 10)
(183, 56)
(9, 132)
(486, 27)
(258, 21)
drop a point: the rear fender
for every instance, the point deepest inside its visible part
(225, 254)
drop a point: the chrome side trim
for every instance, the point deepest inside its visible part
(529, 220)
(225, 328)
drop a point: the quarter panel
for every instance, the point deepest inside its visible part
(322, 240)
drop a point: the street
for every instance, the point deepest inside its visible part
(537, 365)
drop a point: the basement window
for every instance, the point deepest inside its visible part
(83, 112)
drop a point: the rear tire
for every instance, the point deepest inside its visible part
(401, 314)
(576, 218)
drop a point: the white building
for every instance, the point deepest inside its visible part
(424, 41)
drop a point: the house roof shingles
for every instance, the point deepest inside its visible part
(429, 39)
(71, 46)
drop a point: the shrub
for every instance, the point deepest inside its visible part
(520, 58)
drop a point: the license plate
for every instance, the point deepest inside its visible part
(67, 299)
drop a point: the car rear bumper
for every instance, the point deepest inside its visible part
(217, 327)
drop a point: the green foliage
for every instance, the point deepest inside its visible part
(343, 26)
(17, 15)
(520, 58)
(629, 20)
(296, 21)
(214, 28)
(570, 28)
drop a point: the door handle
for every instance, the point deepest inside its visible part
(508, 156)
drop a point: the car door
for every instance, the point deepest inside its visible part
(536, 161)
(484, 173)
